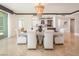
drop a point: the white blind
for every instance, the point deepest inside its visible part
(1, 26)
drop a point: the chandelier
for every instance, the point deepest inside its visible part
(39, 9)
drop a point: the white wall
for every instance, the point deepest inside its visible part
(59, 22)
(27, 20)
(11, 25)
(76, 17)
(76, 24)
(67, 25)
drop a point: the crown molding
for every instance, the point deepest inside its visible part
(43, 13)
(6, 9)
(48, 13)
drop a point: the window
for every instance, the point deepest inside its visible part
(20, 24)
(1, 26)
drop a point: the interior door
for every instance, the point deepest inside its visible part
(72, 25)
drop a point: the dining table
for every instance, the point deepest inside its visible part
(40, 36)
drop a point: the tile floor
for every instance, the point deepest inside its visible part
(8, 47)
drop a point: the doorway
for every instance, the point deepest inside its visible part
(72, 25)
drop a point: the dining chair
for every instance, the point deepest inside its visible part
(21, 38)
(59, 39)
(31, 41)
(48, 39)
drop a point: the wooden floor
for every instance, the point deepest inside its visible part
(9, 47)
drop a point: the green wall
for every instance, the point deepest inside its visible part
(4, 23)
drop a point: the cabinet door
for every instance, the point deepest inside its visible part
(49, 23)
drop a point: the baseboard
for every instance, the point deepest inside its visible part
(77, 34)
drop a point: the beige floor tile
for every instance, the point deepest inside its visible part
(10, 48)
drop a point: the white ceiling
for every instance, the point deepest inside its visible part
(49, 7)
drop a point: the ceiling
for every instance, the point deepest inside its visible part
(49, 7)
